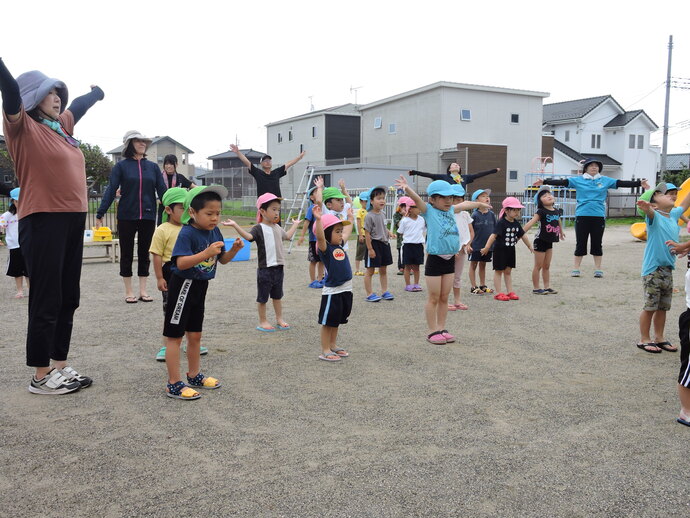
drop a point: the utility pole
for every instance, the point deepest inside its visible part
(664, 145)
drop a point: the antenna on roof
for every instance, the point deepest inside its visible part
(311, 103)
(354, 89)
(237, 140)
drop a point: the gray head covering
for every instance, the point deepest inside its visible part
(35, 85)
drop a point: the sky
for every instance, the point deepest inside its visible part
(208, 73)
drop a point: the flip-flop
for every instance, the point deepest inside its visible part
(340, 352)
(329, 357)
(283, 328)
(131, 300)
(683, 421)
(649, 344)
(145, 298)
(266, 329)
(667, 346)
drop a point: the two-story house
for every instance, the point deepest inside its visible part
(599, 127)
(156, 152)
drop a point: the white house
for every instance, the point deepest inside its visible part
(161, 146)
(598, 127)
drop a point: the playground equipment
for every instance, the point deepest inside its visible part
(542, 167)
(639, 230)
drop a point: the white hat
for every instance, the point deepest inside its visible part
(132, 134)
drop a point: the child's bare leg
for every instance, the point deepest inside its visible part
(312, 271)
(193, 354)
(538, 265)
(334, 338)
(406, 274)
(482, 273)
(172, 358)
(508, 279)
(497, 280)
(545, 269)
(471, 273)
(263, 321)
(368, 273)
(18, 283)
(442, 307)
(278, 308)
(659, 322)
(383, 278)
(456, 295)
(645, 324)
(327, 339)
(415, 270)
(684, 396)
(433, 286)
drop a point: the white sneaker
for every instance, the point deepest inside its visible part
(72, 375)
(53, 383)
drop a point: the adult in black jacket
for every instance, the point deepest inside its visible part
(172, 179)
(267, 179)
(454, 175)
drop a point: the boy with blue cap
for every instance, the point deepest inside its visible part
(483, 222)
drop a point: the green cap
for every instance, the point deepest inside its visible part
(193, 193)
(332, 192)
(171, 196)
(647, 195)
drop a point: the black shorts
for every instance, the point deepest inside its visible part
(15, 264)
(335, 309)
(269, 282)
(412, 253)
(477, 257)
(312, 255)
(504, 257)
(186, 309)
(437, 266)
(542, 246)
(167, 274)
(591, 227)
(383, 255)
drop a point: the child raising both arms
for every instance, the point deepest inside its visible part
(550, 231)
(443, 242)
(505, 235)
(336, 296)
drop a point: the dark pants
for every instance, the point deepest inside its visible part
(591, 227)
(52, 244)
(127, 229)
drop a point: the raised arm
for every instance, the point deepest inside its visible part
(240, 155)
(347, 229)
(433, 176)
(242, 232)
(81, 104)
(469, 178)
(341, 184)
(292, 162)
(401, 183)
(11, 99)
(318, 192)
(563, 182)
(647, 208)
(633, 183)
(685, 203)
(318, 229)
(293, 228)
(469, 205)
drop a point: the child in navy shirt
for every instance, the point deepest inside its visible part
(483, 223)
(198, 250)
(336, 296)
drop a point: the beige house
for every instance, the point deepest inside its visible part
(156, 152)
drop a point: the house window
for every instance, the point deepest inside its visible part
(290, 135)
(314, 132)
(378, 123)
(514, 118)
(631, 141)
(512, 175)
(567, 136)
(280, 138)
(596, 141)
(640, 141)
(465, 115)
(392, 128)
(301, 148)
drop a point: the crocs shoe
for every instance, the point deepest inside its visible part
(598, 274)
(387, 295)
(575, 273)
(409, 287)
(436, 338)
(160, 356)
(53, 383)
(373, 298)
(449, 337)
(416, 287)
(513, 296)
(502, 297)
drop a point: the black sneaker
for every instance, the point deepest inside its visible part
(73, 375)
(53, 383)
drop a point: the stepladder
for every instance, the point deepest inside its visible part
(300, 201)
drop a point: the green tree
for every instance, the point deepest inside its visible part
(678, 178)
(6, 164)
(98, 165)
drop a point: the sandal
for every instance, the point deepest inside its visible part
(645, 347)
(329, 357)
(340, 352)
(462, 306)
(436, 338)
(667, 346)
(179, 390)
(575, 273)
(477, 291)
(145, 298)
(131, 300)
(204, 382)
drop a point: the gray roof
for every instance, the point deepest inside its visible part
(577, 157)
(341, 109)
(569, 110)
(677, 162)
(625, 118)
(249, 153)
(119, 149)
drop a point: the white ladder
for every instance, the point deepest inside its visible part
(300, 199)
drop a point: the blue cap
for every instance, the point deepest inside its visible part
(458, 190)
(364, 196)
(542, 190)
(476, 193)
(440, 188)
(14, 193)
(671, 187)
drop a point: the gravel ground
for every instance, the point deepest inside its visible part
(544, 406)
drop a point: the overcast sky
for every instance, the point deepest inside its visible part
(206, 72)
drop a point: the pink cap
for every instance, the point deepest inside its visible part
(510, 202)
(328, 220)
(264, 198)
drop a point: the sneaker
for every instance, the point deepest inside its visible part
(387, 295)
(513, 296)
(436, 338)
(417, 287)
(476, 290)
(321, 283)
(314, 284)
(538, 292)
(160, 356)
(598, 274)
(502, 297)
(575, 273)
(202, 350)
(449, 337)
(486, 290)
(72, 375)
(549, 291)
(401, 272)
(409, 287)
(53, 383)
(373, 298)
